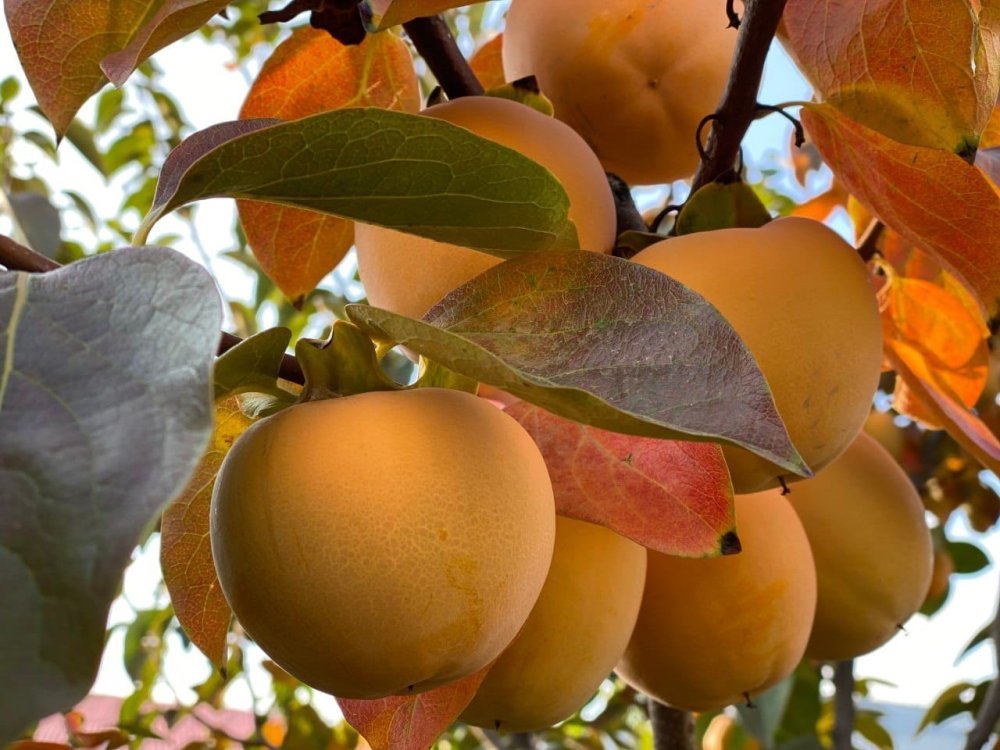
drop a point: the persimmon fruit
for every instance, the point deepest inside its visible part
(383, 543)
(801, 300)
(633, 77)
(714, 631)
(873, 550)
(575, 634)
(408, 274)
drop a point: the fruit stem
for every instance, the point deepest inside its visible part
(435, 43)
(843, 705)
(739, 101)
(673, 729)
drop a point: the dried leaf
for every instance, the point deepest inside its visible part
(932, 198)
(487, 63)
(411, 722)
(186, 552)
(173, 20)
(308, 73)
(671, 496)
(921, 72)
(602, 341)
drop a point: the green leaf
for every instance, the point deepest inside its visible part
(105, 408)
(38, 221)
(946, 705)
(602, 341)
(10, 87)
(867, 724)
(764, 717)
(968, 557)
(719, 206)
(83, 141)
(415, 174)
(982, 636)
(252, 365)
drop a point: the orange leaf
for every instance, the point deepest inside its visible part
(411, 722)
(309, 73)
(61, 43)
(487, 63)
(932, 198)
(943, 405)
(671, 496)
(185, 549)
(822, 205)
(901, 67)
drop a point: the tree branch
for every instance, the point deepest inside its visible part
(673, 729)
(989, 711)
(843, 704)
(16, 257)
(739, 101)
(868, 245)
(435, 43)
(288, 370)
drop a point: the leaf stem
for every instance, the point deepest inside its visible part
(288, 370)
(739, 101)
(673, 729)
(868, 245)
(843, 704)
(435, 43)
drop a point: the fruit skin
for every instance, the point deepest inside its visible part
(384, 541)
(713, 629)
(873, 550)
(801, 300)
(575, 634)
(633, 77)
(408, 274)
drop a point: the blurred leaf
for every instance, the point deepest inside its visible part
(412, 173)
(411, 722)
(186, 551)
(42, 142)
(173, 20)
(39, 222)
(670, 496)
(968, 557)
(306, 730)
(105, 396)
(312, 72)
(764, 717)
(601, 341)
(10, 87)
(946, 705)
(135, 147)
(147, 622)
(487, 63)
(984, 634)
(83, 141)
(867, 724)
(386, 13)
(109, 105)
(932, 198)
(904, 70)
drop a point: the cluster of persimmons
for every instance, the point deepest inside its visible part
(391, 542)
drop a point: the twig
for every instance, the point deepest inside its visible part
(435, 43)
(843, 704)
(289, 12)
(732, 15)
(673, 729)
(288, 370)
(627, 216)
(989, 711)
(739, 101)
(868, 246)
(16, 257)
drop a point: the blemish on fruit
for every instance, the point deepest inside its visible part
(730, 544)
(784, 487)
(749, 701)
(442, 535)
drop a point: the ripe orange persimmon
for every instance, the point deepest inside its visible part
(711, 632)
(872, 547)
(633, 77)
(408, 274)
(574, 635)
(385, 542)
(801, 300)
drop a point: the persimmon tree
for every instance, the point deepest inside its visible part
(120, 393)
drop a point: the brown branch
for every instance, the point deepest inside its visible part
(739, 101)
(868, 245)
(627, 216)
(843, 705)
(435, 43)
(16, 257)
(673, 729)
(989, 711)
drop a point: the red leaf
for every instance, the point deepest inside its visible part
(312, 72)
(671, 496)
(922, 72)
(411, 722)
(487, 63)
(185, 551)
(932, 198)
(174, 20)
